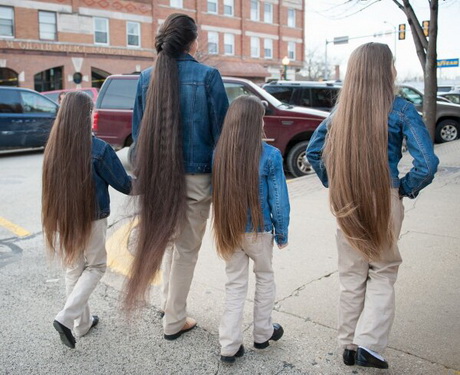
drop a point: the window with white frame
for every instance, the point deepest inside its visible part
(101, 30)
(255, 47)
(6, 21)
(291, 50)
(213, 43)
(268, 48)
(229, 44)
(176, 3)
(133, 34)
(268, 13)
(228, 7)
(255, 16)
(291, 17)
(212, 6)
(47, 25)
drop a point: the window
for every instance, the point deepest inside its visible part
(268, 48)
(212, 6)
(228, 7)
(234, 90)
(268, 13)
(48, 80)
(291, 50)
(176, 4)
(11, 102)
(213, 43)
(255, 10)
(34, 103)
(255, 47)
(283, 94)
(47, 25)
(133, 34)
(101, 31)
(291, 17)
(411, 95)
(8, 77)
(120, 94)
(6, 21)
(229, 44)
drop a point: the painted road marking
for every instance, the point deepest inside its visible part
(16, 229)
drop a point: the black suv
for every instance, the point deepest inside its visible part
(318, 95)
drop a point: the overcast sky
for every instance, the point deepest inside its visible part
(328, 19)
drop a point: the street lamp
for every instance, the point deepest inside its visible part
(285, 63)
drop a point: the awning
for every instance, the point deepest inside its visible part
(241, 69)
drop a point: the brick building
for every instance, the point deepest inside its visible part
(53, 44)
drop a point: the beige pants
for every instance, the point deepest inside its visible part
(367, 298)
(82, 278)
(186, 248)
(260, 249)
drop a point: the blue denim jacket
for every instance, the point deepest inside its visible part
(274, 198)
(203, 103)
(403, 122)
(107, 170)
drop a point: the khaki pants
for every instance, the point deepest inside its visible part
(185, 254)
(260, 249)
(367, 298)
(82, 278)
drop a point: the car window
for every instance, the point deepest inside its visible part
(236, 89)
(453, 98)
(283, 94)
(410, 95)
(35, 103)
(10, 101)
(305, 97)
(53, 96)
(89, 92)
(120, 94)
(322, 98)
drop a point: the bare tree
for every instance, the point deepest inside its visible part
(314, 66)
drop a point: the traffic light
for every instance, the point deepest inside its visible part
(426, 27)
(402, 31)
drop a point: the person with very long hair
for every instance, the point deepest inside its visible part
(250, 210)
(178, 114)
(77, 169)
(355, 153)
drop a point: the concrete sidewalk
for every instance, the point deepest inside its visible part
(425, 337)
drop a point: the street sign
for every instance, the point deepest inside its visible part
(447, 63)
(341, 40)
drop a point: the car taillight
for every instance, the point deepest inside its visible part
(95, 121)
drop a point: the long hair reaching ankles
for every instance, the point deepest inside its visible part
(356, 151)
(235, 177)
(68, 195)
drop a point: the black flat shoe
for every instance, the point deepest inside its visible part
(95, 321)
(65, 334)
(231, 359)
(278, 332)
(349, 357)
(366, 359)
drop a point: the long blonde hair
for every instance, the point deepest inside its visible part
(235, 174)
(356, 151)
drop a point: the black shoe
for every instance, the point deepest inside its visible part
(65, 334)
(95, 321)
(366, 359)
(231, 359)
(349, 357)
(190, 323)
(278, 332)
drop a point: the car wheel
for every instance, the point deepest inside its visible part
(297, 162)
(447, 130)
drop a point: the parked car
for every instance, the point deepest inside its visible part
(443, 89)
(447, 114)
(287, 127)
(318, 95)
(453, 97)
(54, 95)
(26, 118)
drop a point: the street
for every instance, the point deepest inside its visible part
(425, 338)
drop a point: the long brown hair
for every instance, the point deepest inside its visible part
(356, 151)
(235, 175)
(159, 164)
(68, 196)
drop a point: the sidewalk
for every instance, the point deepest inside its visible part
(425, 337)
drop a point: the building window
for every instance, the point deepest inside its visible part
(133, 34)
(255, 47)
(212, 6)
(213, 43)
(268, 48)
(255, 10)
(101, 31)
(176, 4)
(228, 7)
(268, 13)
(291, 50)
(6, 21)
(291, 17)
(47, 25)
(48, 80)
(229, 44)
(8, 77)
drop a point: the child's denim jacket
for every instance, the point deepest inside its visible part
(403, 122)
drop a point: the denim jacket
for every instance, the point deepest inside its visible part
(403, 122)
(107, 170)
(203, 103)
(274, 198)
